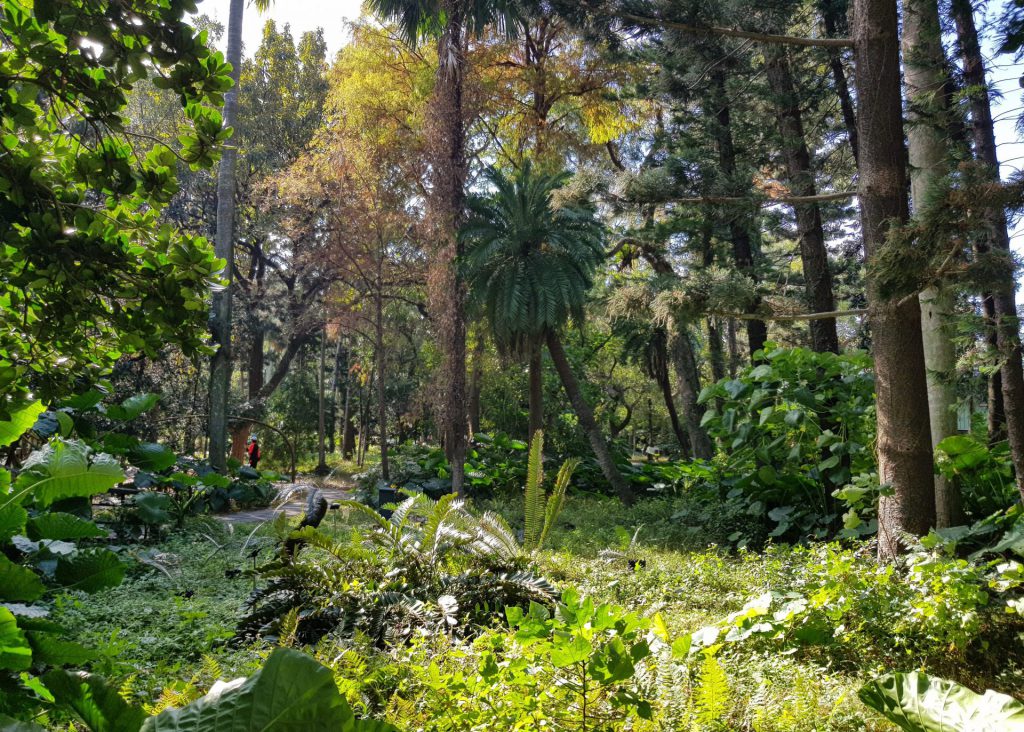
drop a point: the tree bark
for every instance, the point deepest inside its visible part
(379, 357)
(924, 68)
(800, 172)
(739, 232)
(321, 432)
(332, 418)
(445, 206)
(661, 376)
(904, 437)
(833, 15)
(1007, 325)
(717, 355)
(587, 422)
(220, 317)
(348, 431)
(688, 382)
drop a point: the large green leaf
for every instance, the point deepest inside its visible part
(57, 525)
(50, 649)
(12, 521)
(916, 702)
(90, 571)
(9, 724)
(21, 421)
(98, 704)
(133, 406)
(153, 507)
(18, 583)
(66, 469)
(291, 692)
(15, 652)
(152, 456)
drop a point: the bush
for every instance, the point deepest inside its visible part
(794, 429)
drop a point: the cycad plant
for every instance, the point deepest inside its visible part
(431, 564)
(530, 265)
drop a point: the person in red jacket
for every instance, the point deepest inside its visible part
(254, 452)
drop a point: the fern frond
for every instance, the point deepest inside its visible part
(534, 497)
(557, 498)
(712, 696)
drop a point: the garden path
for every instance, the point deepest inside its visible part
(295, 505)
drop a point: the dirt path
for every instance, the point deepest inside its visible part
(295, 505)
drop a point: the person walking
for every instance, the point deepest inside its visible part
(254, 452)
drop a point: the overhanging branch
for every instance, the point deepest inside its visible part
(739, 33)
(795, 316)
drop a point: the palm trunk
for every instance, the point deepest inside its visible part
(445, 211)
(1007, 326)
(220, 318)
(536, 397)
(800, 172)
(587, 422)
(904, 437)
(924, 65)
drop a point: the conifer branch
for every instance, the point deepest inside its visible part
(739, 33)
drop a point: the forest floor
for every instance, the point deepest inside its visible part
(159, 627)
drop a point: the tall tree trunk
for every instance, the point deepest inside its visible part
(536, 396)
(739, 230)
(734, 349)
(924, 67)
(833, 15)
(800, 172)
(904, 437)
(688, 381)
(715, 352)
(220, 317)
(445, 211)
(587, 422)
(1004, 293)
(321, 432)
(332, 417)
(476, 378)
(348, 431)
(240, 430)
(379, 357)
(661, 376)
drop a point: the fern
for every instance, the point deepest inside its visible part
(557, 498)
(534, 493)
(712, 695)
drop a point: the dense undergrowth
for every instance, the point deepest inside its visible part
(168, 631)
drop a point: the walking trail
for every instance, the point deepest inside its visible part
(295, 505)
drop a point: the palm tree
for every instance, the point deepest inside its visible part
(530, 264)
(451, 22)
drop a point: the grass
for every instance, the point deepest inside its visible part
(168, 631)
